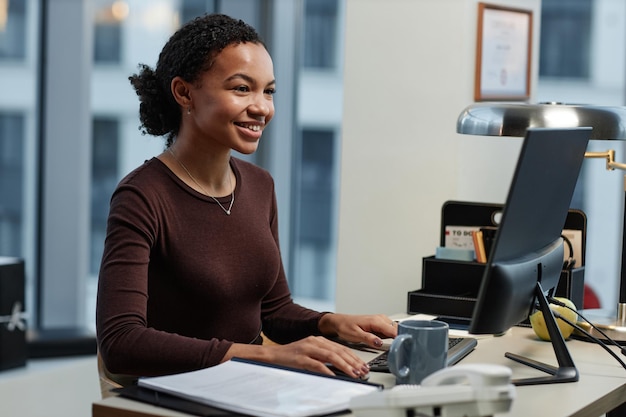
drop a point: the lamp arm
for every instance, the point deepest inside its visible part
(611, 165)
(610, 159)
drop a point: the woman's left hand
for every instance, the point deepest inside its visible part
(367, 329)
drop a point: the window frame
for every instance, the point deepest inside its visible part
(64, 144)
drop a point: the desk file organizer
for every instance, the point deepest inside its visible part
(450, 287)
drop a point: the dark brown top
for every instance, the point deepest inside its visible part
(180, 280)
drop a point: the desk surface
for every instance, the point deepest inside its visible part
(601, 388)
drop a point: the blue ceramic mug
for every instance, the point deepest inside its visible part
(420, 349)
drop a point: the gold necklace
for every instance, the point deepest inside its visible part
(232, 198)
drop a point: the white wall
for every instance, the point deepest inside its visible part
(409, 72)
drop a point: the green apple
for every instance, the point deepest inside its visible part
(539, 324)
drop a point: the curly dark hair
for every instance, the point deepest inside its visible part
(188, 53)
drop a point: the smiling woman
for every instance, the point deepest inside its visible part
(192, 276)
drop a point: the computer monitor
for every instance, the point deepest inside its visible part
(526, 257)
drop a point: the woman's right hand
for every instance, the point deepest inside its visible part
(314, 353)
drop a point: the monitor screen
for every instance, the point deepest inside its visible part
(528, 247)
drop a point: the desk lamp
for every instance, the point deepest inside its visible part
(607, 123)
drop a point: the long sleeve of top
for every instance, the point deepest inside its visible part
(180, 280)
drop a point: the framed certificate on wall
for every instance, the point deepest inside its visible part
(503, 53)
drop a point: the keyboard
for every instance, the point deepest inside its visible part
(458, 348)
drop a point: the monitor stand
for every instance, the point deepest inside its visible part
(566, 371)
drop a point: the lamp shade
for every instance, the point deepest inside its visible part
(512, 119)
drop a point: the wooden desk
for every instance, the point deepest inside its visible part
(601, 388)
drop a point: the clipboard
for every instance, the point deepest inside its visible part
(172, 402)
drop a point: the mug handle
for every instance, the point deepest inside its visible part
(399, 352)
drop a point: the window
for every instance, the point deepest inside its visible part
(313, 251)
(320, 33)
(104, 178)
(565, 38)
(13, 29)
(108, 31)
(107, 43)
(194, 8)
(18, 147)
(11, 183)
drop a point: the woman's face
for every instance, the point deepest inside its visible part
(233, 101)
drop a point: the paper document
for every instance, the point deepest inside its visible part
(261, 390)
